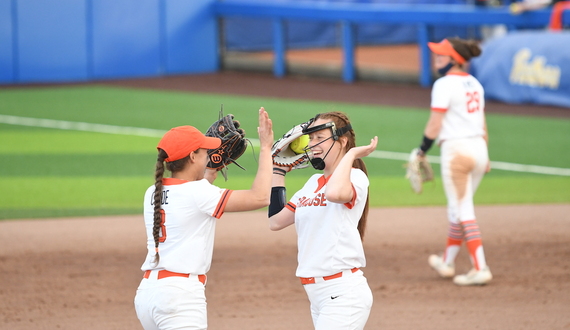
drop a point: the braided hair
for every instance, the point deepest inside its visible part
(174, 166)
(341, 120)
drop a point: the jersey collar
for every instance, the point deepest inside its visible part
(457, 74)
(172, 181)
(321, 182)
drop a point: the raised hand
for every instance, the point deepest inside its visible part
(265, 129)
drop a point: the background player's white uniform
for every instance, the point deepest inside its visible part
(187, 241)
(464, 155)
(329, 243)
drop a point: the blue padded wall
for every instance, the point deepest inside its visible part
(191, 37)
(51, 42)
(126, 38)
(6, 42)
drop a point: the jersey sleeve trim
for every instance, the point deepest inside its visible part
(222, 204)
(291, 207)
(350, 204)
(439, 109)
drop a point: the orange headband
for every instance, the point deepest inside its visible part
(446, 48)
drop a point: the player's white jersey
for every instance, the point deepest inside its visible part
(462, 97)
(189, 221)
(328, 238)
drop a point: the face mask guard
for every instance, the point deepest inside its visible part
(319, 163)
(336, 132)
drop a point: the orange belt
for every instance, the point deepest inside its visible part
(165, 273)
(311, 280)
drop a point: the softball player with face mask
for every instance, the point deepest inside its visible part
(329, 214)
(457, 123)
(180, 215)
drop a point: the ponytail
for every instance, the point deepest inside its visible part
(158, 175)
(341, 120)
(359, 163)
(174, 166)
(466, 48)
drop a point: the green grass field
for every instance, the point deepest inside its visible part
(47, 172)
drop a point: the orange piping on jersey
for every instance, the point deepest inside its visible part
(173, 181)
(222, 204)
(291, 207)
(439, 109)
(322, 181)
(462, 74)
(350, 204)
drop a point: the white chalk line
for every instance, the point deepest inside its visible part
(494, 164)
(80, 126)
(149, 132)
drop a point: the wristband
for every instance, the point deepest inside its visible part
(426, 144)
(280, 171)
(277, 201)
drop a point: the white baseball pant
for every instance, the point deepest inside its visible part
(463, 165)
(342, 303)
(171, 303)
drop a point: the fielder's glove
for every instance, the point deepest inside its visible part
(418, 171)
(233, 145)
(283, 155)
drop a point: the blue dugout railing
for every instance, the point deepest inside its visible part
(350, 15)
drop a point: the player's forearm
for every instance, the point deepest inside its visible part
(281, 220)
(433, 126)
(432, 130)
(261, 186)
(278, 180)
(339, 186)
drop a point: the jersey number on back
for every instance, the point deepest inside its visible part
(473, 102)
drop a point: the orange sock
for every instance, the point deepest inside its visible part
(474, 243)
(454, 239)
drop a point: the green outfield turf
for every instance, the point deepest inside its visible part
(47, 172)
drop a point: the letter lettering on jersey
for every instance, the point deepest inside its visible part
(164, 199)
(323, 200)
(316, 200)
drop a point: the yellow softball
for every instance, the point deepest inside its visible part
(299, 144)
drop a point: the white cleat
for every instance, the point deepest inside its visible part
(474, 277)
(444, 270)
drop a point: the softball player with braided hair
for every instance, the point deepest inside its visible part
(180, 215)
(457, 122)
(330, 214)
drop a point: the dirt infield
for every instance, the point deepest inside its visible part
(83, 273)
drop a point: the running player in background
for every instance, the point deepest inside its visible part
(457, 123)
(329, 214)
(180, 215)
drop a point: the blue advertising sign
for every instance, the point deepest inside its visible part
(526, 67)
